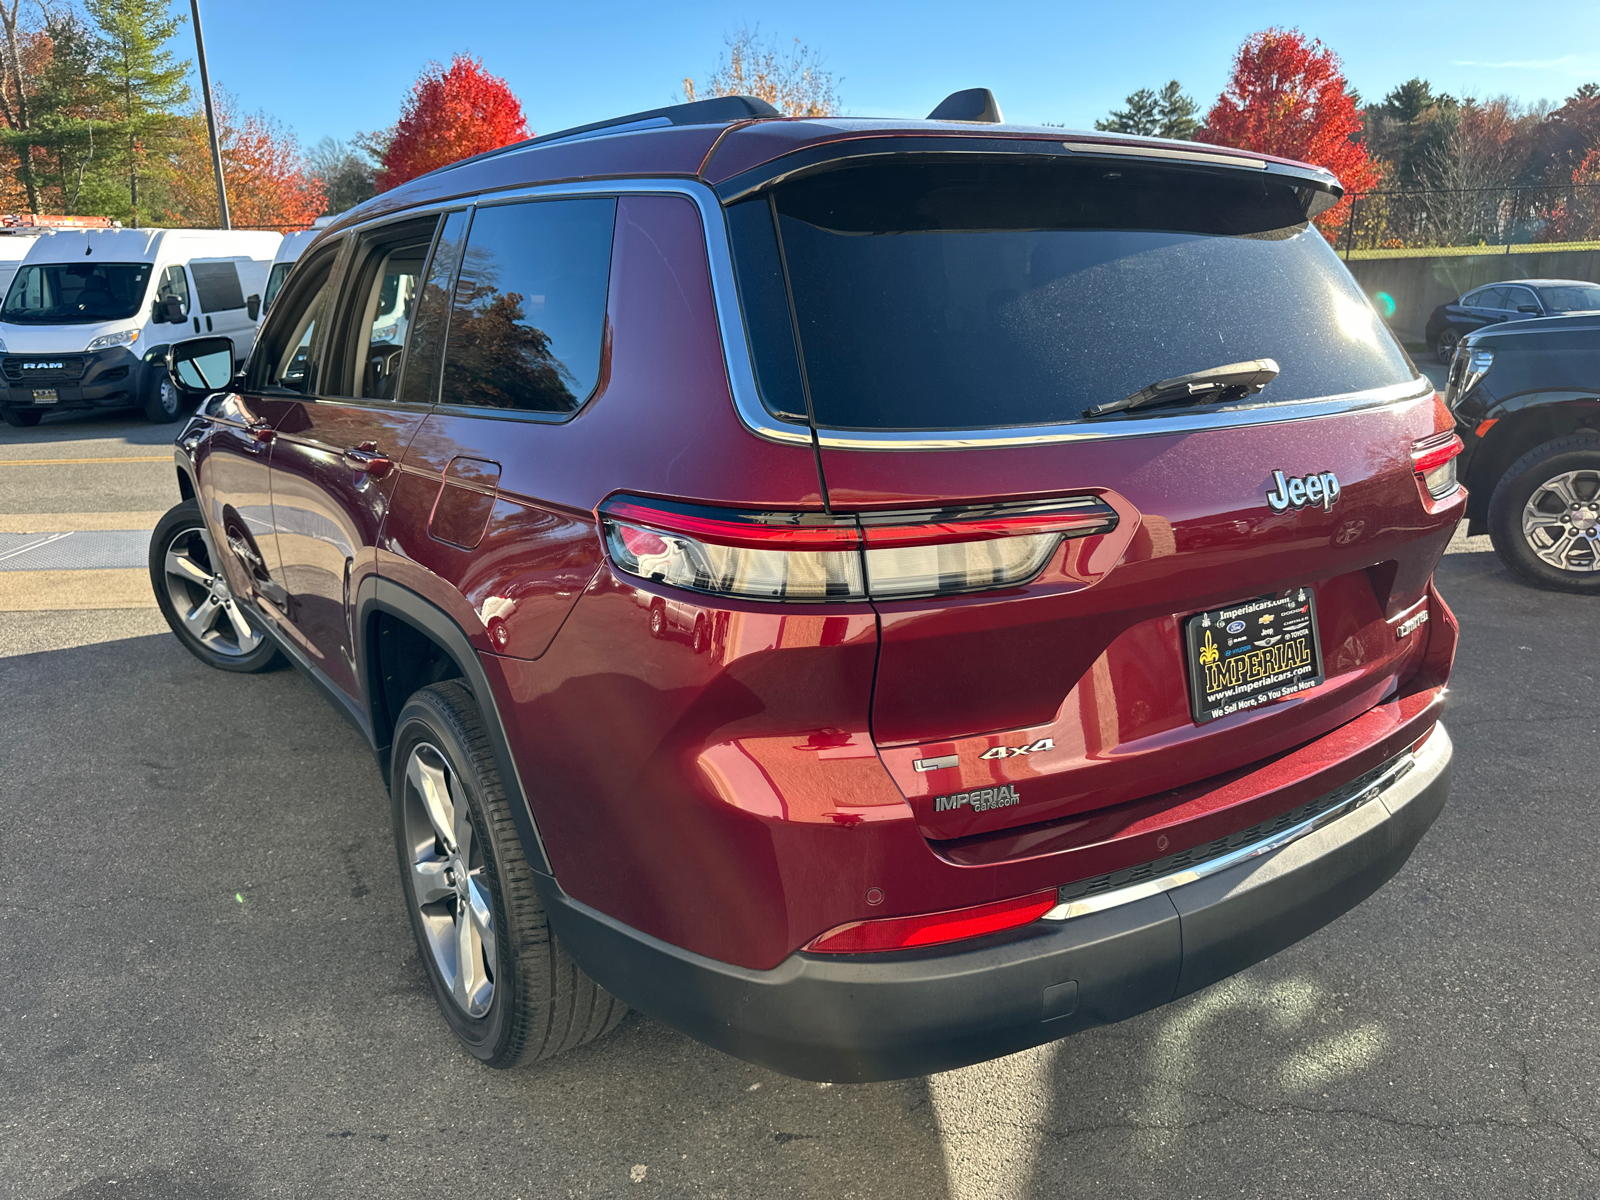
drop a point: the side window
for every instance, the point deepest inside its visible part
(378, 307)
(1516, 297)
(1493, 298)
(528, 322)
(217, 284)
(280, 272)
(285, 352)
(1470, 300)
(420, 382)
(175, 285)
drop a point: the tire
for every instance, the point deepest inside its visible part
(524, 998)
(194, 597)
(1545, 512)
(162, 402)
(1445, 347)
(658, 619)
(22, 418)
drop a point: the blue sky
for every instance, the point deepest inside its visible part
(334, 68)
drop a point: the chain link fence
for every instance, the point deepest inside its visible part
(1403, 222)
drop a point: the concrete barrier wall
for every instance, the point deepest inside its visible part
(1419, 285)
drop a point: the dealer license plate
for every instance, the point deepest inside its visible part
(44, 395)
(1252, 653)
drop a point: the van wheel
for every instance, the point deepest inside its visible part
(193, 595)
(161, 402)
(503, 983)
(1544, 516)
(22, 418)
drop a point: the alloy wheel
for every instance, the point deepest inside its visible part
(202, 599)
(1446, 349)
(447, 881)
(1561, 521)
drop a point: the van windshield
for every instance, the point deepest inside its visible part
(76, 293)
(933, 293)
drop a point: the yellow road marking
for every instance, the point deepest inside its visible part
(74, 462)
(44, 591)
(77, 522)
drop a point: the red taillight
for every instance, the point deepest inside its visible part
(933, 929)
(1434, 460)
(814, 556)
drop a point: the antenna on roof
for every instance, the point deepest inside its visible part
(974, 104)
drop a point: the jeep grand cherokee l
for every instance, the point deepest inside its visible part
(1056, 519)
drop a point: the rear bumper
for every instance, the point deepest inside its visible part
(886, 1016)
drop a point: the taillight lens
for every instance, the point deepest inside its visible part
(933, 929)
(789, 556)
(1434, 460)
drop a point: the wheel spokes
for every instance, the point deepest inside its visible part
(181, 566)
(202, 618)
(433, 790)
(429, 882)
(247, 637)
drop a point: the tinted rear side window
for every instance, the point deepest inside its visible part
(420, 382)
(941, 294)
(528, 323)
(218, 286)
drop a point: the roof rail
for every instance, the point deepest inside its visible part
(719, 110)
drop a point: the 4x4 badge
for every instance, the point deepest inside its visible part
(1038, 747)
(1302, 490)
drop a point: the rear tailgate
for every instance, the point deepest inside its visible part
(957, 317)
(1089, 659)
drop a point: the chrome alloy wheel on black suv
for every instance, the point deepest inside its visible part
(1544, 518)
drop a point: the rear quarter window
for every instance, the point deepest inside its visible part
(1013, 291)
(527, 325)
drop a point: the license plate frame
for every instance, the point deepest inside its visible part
(44, 395)
(1274, 655)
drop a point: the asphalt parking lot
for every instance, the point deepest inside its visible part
(211, 989)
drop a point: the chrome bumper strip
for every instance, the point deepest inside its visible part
(1429, 757)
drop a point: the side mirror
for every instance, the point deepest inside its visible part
(200, 366)
(1529, 308)
(169, 310)
(252, 305)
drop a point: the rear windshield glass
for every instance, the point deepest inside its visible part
(76, 293)
(1571, 298)
(972, 294)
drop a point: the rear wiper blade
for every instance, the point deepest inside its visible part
(1228, 382)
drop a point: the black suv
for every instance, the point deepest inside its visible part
(1526, 399)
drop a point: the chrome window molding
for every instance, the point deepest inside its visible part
(741, 370)
(1427, 757)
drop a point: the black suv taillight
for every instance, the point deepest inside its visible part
(792, 556)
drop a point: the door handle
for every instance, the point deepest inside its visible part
(366, 457)
(260, 431)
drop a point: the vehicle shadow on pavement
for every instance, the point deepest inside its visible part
(94, 425)
(212, 984)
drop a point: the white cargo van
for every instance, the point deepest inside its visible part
(289, 252)
(14, 247)
(87, 320)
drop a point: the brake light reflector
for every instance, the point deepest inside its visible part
(790, 556)
(1434, 460)
(933, 929)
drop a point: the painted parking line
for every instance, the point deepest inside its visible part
(50, 591)
(75, 521)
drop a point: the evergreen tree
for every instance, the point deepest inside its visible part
(143, 80)
(1167, 113)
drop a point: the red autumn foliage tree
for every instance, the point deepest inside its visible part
(1287, 96)
(450, 115)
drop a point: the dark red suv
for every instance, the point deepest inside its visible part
(873, 595)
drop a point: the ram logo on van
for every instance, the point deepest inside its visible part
(1301, 490)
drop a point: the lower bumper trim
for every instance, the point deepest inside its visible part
(885, 1016)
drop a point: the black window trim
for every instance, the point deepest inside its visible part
(340, 248)
(343, 312)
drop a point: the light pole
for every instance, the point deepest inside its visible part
(211, 116)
